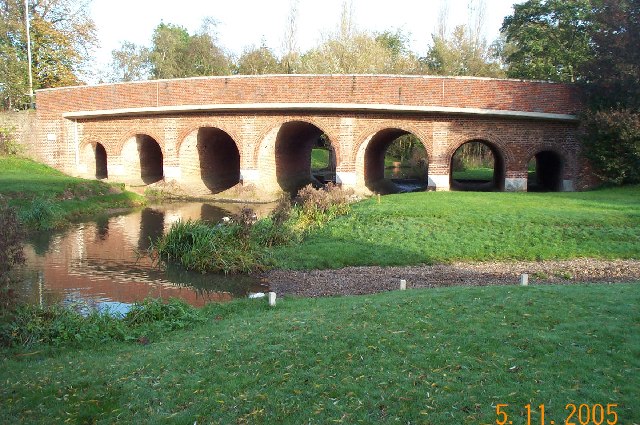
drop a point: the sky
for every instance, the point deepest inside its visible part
(246, 23)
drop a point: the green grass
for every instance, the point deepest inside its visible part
(439, 356)
(440, 227)
(30, 186)
(319, 159)
(474, 174)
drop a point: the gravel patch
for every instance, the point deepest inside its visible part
(372, 279)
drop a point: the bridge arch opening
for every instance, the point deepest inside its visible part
(477, 165)
(395, 161)
(151, 159)
(219, 159)
(101, 162)
(545, 171)
(304, 155)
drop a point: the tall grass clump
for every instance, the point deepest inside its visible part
(41, 214)
(241, 244)
(226, 247)
(277, 228)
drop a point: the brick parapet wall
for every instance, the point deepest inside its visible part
(422, 91)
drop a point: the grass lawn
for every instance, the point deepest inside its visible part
(440, 227)
(22, 181)
(319, 159)
(474, 174)
(438, 356)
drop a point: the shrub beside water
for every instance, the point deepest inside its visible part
(11, 253)
(241, 244)
(63, 326)
(204, 248)
(42, 214)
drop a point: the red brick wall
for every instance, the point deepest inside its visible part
(482, 93)
(257, 133)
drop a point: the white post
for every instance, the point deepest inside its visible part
(524, 279)
(26, 18)
(403, 284)
(272, 299)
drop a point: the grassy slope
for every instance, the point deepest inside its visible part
(319, 159)
(22, 180)
(441, 356)
(431, 227)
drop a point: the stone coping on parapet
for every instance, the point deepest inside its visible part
(315, 107)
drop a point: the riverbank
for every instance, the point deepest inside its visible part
(46, 198)
(445, 227)
(438, 356)
(373, 279)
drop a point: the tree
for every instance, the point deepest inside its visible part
(613, 74)
(62, 38)
(291, 57)
(258, 60)
(549, 39)
(465, 50)
(350, 51)
(612, 143)
(612, 122)
(130, 63)
(460, 54)
(176, 54)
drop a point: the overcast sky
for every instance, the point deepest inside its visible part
(243, 23)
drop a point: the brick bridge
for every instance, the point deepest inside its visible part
(213, 133)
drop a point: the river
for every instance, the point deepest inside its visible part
(101, 263)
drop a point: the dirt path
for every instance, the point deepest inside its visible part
(367, 280)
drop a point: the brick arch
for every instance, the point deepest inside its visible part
(132, 133)
(209, 159)
(92, 140)
(265, 152)
(369, 132)
(502, 164)
(364, 140)
(209, 124)
(147, 170)
(88, 160)
(279, 122)
(486, 137)
(532, 151)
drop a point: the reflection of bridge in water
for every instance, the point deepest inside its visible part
(103, 261)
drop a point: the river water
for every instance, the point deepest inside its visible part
(100, 264)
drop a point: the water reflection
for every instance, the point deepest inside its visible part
(408, 179)
(101, 262)
(151, 227)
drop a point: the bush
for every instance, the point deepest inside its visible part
(612, 144)
(318, 206)
(11, 253)
(238, 246)
(58, 325)
(8, 143)
(198, 246)
(42, 214)
(276, 229)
